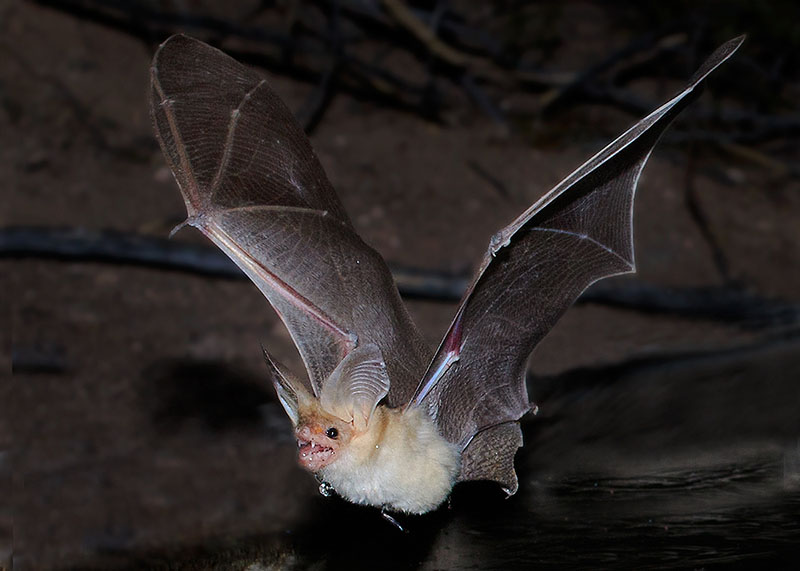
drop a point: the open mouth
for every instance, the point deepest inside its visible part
(312, 455)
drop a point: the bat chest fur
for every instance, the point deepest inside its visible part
(400, 462)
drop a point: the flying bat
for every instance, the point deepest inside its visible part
(384, 420)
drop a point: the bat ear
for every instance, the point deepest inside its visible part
(291, 392)
(356, 386)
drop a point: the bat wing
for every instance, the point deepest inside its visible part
(578, 233)
(253, 185)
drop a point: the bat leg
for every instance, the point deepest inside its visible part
(391, 519)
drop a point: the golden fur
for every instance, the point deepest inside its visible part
(399, 462)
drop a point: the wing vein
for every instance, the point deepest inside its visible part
(180, 148)
(584, 237)
(274, 208)
(232, 124)
(228, 244)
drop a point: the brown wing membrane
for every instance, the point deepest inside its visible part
(253, 185)
(490, 456)
(578, 233)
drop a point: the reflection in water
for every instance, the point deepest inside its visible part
(684, 519)
(734, 515)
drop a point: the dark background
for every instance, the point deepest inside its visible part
(138, 428)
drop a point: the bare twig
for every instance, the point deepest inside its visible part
(311, 113)
(699, 217)
(777, 168)
(493, 181)
(481, 99)
(403, 16)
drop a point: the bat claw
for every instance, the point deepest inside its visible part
(498, 242)
(193, 220)
(179, 227)
(391, 519)
(351, 340)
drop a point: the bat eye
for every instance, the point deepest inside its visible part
(332, 433)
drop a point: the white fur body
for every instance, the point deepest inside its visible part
(400, 462)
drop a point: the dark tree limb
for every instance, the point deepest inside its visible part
(726, 304)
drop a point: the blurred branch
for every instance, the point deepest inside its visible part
(586, 83)
(403, 16)
(728, 304)
(776, 168)
(311, 113)
(701, 220)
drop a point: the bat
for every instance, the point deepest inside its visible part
(384, 420)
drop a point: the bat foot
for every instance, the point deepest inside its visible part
(326, 489)
(391, 519)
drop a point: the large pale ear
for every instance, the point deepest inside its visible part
(356, 386)
(291, 392)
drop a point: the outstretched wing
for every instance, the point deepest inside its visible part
(253, 185)
(578, 233)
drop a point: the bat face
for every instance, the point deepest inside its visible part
(321, 437)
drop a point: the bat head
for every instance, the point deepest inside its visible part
(324, 426)
(321, 438)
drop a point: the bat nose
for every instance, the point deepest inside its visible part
(305, 432)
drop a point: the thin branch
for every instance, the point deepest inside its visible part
(498, 185)
(320, 99)
(700, 219)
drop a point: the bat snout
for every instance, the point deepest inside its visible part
(310, 432)
(314, 453)
(304, 433)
